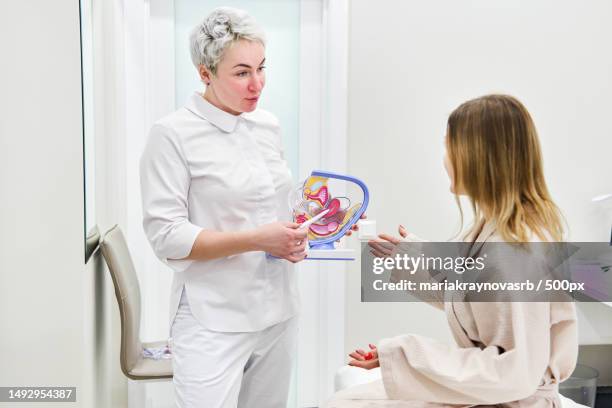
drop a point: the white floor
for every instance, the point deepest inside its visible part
(150, 394)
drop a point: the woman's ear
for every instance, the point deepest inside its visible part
(205, 74)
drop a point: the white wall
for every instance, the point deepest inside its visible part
(413, 62)
(41, 210)
(58, 327)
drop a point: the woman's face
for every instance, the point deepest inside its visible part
(240, 78)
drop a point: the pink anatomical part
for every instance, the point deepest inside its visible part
(300, 219)
(321, 196)
(324, 229)
(333, 207)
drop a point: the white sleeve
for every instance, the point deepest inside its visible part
(165, 181)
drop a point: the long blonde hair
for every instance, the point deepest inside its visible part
(495, 155)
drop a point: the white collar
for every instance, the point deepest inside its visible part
(206, 110)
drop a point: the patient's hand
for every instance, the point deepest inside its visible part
(363, 359)
(384, 246)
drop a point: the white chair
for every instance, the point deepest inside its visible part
(127, 291)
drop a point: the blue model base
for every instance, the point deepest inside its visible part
(323, 245)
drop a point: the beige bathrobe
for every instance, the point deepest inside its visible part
(507, 354)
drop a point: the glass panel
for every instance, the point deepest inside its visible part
(281, 21)
(88, 127)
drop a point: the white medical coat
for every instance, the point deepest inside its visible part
(204, 168)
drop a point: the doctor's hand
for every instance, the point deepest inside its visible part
(355, 227)
(363, 359)
(282, 240)
(384, 246)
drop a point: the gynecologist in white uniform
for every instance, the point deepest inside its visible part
(214, 190)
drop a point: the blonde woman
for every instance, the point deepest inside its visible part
(507, 354)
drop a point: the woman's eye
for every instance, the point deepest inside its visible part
(261, 68)
(242, 73)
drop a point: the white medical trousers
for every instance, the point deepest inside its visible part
(229, 370)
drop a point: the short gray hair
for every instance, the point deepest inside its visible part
(218, 31)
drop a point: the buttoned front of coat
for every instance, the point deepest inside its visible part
(204, 168)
